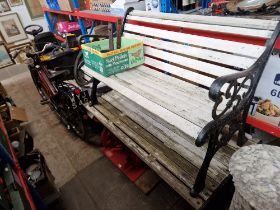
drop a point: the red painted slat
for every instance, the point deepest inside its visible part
(87, 15)
(211, 34)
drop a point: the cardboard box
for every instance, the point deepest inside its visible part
(101, 5)
(67, 26)
(101, 30)
(44, 4)
(108, 63)
(266, 103)
(17, 113)
(67, 5)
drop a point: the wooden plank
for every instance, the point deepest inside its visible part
(210, 55)
(180, 72)
(191, 89)
(170, 136)
(188, 109)
(185, 176)
(190, 94)
(189, 62)
(248, 50)
(166, 175)
(164, 155)
(185, 91)
(197, 89)
(174, 119)
(164, 133)
(214, 20)
(259, 33)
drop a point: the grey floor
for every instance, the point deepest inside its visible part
(86, 179)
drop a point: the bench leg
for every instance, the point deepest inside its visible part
(217, 135)
(93, 96)
(202, 173)
(241, 135)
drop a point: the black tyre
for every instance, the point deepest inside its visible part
(78, 72)
(73, 118)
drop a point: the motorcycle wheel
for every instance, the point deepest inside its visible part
(78, 72)
(72, 118)
(36, 81)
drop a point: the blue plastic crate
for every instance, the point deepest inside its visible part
(53, 4)
(167, 6)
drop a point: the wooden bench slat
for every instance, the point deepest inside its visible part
(165, 97)
(206, 27)
(210, 55)
(189, 62)
(226, 21)
(186, 74)
(180, 72)
(165, 174)
(170, 136)
(187, 91)
(249, 50)
(185, 171)
(193, 91)
(190, 108)
(178, 121)
(182, 90)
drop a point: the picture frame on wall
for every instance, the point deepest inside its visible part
(14, 3)
(34, 9)
(11, 28)
(21, 52)
(4, 6)
(5, 58)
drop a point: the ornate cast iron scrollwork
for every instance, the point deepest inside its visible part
(232, 95)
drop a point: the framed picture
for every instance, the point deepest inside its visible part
(14, 3)
(34, 9)
(11, 28)
(5, 58)
(22, 50)
(4, 6)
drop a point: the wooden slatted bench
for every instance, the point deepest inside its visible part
(179, 111)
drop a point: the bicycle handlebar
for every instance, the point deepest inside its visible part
(46, 47)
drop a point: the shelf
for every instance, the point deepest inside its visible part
(89, 14)
(264, 126)
(21, 179)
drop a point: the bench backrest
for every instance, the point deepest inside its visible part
(183, 45)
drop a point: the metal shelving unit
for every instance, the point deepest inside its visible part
(81, 15)
(17, 185)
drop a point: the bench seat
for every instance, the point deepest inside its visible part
(164, 148)
(182, 104)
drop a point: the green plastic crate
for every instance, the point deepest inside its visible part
(108, 63)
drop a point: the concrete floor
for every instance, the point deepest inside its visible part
(86, 179)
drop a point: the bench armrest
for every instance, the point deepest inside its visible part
(236, 91)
